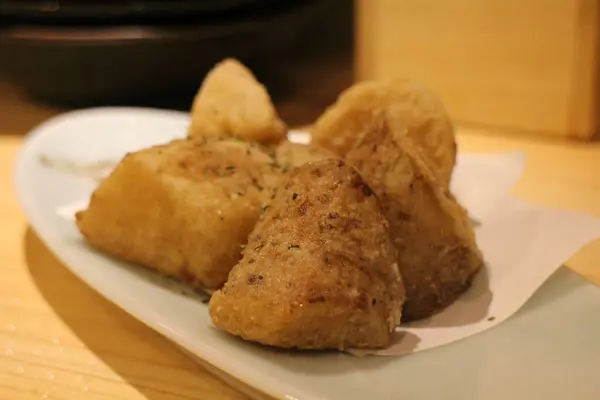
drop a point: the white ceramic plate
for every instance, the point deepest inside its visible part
(548, 350)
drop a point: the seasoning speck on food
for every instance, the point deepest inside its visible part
(252, 278)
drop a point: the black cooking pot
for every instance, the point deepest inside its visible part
(79, 53)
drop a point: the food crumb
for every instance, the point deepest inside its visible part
(491, 318)
(318, 299)
(253, 278)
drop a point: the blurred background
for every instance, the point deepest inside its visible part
(58, 55)
(527, 67)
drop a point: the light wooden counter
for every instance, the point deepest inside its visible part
(61, 340)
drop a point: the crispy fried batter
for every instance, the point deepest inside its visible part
(437, 253)
(406, 104)
(182, 209)
(293, 155)
(231, 102)
(319, 269)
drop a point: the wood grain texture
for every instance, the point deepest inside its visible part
(516, 65)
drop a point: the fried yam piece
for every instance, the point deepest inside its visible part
(319, 269)
(182, 209)
(437, 253)
(409, 107)
(293, 155)
(231, 102)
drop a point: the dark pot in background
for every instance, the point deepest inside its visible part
(158, 59)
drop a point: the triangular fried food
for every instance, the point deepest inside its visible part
(437, 253)
(319, 270)
(407, 104)
(231, 102)
(182, 209)
(293, 155)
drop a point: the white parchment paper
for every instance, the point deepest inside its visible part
(522, 244)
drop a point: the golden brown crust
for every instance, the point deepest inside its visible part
(231, 102)
(293, 155)
(318, 271)
(408, 107)
(437, 253)
(182, 209)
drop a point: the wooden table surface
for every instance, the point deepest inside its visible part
(61, 340)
